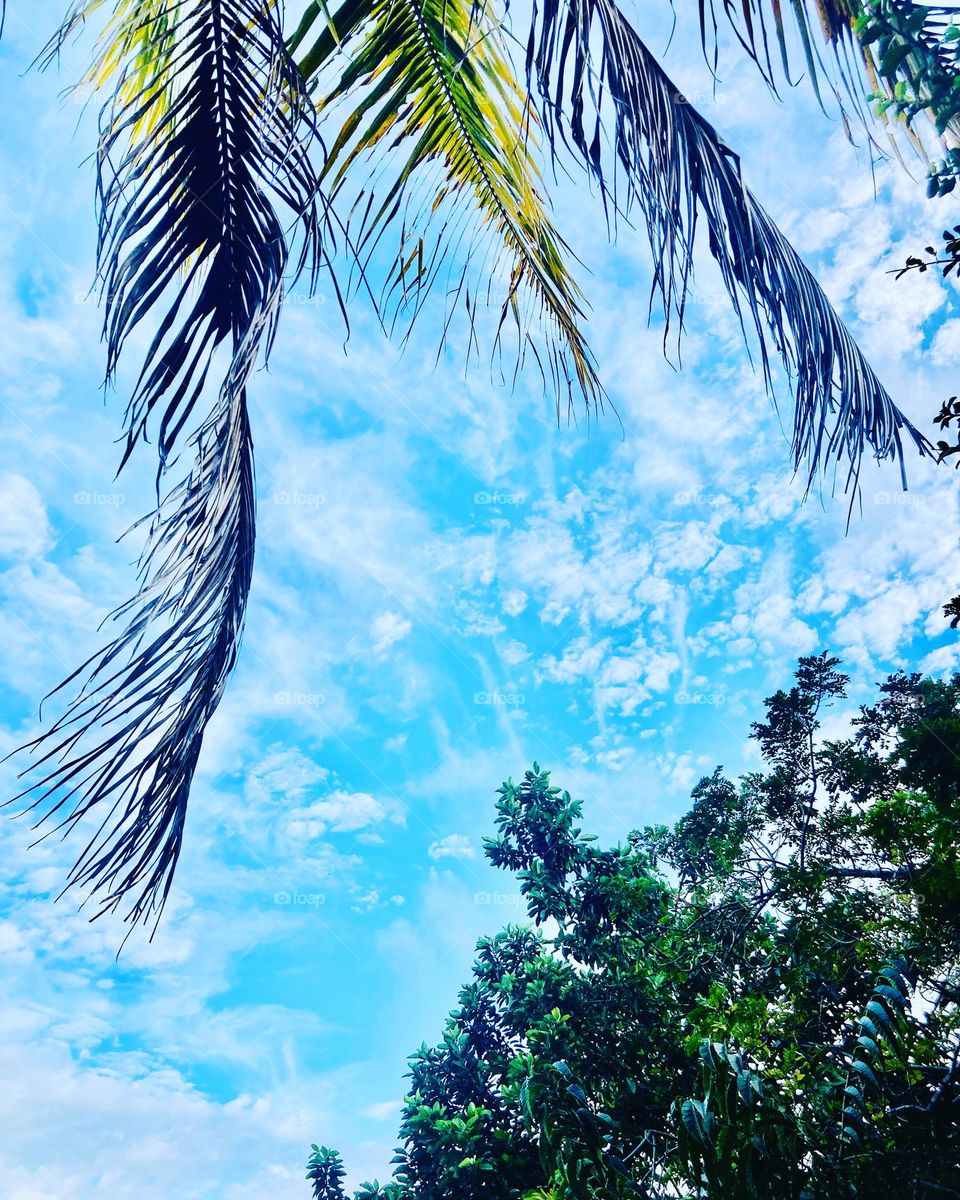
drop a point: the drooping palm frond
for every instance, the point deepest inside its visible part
(133, 52)
(884, 49)
(427, 102)
(761, 30)
(204, 144)
(127, 747)
(880, 1047)
(672, 164)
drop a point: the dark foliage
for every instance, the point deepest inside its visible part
(192, 168)
(761, 1001)
(675, 167)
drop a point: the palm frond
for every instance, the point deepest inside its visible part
(127, 746)
(203, 145)
(672, 164)
(882, 1034)
(875, 45)
(133, 52)
(761, 30)
(426, 96)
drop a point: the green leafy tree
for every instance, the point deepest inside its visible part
(762, 1000)
(325, 1172)
(913, 52)
(390, 145)
(927, 40)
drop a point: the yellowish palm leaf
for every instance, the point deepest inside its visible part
(427, 96)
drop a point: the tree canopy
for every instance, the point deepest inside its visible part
(762, 1000)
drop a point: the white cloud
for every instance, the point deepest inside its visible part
(682, 771)
(946, 343)
(145, 1133)
(285, 775)
(454, 845)
(514, 602)
(514, 652)
(385, 1110)
(338, 812)
(24, 528)
(388, 629)
(11, 938)
(371, 839)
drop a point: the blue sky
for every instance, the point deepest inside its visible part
(448, 586)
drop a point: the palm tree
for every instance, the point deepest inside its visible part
(215, 192)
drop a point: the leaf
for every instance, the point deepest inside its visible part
(891, 994)
(204, 144)
(866, 1071)
(673, 165)
(880, 1016)
(427, 102)
(698, 1121)
(869, 1045)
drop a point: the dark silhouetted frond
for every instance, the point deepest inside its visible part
(426, 99)
(673, 165)
(896, 50)
(203, 146)
(126, 749)
(761, 30)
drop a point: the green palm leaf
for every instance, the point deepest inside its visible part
(427, 102)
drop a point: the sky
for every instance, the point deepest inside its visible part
(449, 585)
